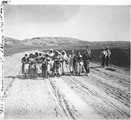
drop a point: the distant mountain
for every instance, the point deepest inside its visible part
(63, 41)
(46, 41)
(11, 42)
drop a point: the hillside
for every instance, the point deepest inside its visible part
(63, 41)
(45, 41)
(11, 42)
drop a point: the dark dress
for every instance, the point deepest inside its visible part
(44, 69)
(86, 60)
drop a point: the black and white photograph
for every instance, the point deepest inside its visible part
(66, 62)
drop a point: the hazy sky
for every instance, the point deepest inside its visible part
(86, 22)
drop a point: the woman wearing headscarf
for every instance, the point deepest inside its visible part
(51, 55)
(25, 65)
(60, 55)
(78, 63)
(57, 64)
(48, 60)
(64, 62)
(39, 64)
(32, 66)
(72, 62)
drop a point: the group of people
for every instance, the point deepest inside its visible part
(56, 63)
(59, 63)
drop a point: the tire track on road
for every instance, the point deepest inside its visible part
(63, 104)
(94, 93)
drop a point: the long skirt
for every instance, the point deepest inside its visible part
(38, 68)
(26, 67)
(60, 69)
(32, 70)
(78, 67)
(64, 67)
(57, 68)
(48, 68)
(71, 65)
(51, 65)
(44, 71)
(86, 65)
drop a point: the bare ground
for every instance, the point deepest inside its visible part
(104, 94)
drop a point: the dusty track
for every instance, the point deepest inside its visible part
(104, 94)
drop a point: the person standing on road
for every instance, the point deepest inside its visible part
(78, 61)
(48, 64)
(57, 64)
(32, 66)
(103, 55)
(38, 65)
(64, 62)
(86, 60)
(72, 62)
(51, 55)
(108, 55)
(87, 49)
(44, 68)
(25, 65)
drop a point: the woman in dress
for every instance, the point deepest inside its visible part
(64, 62)
(78, 63)
(51, 55)
(57, 64)
(72, 62)
(32, 66)
(48, 64)
(39, 65)
(25, 65)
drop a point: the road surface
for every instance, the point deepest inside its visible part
(104, 94)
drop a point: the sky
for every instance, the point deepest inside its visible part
(85, 22)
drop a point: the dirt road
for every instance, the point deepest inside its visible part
(104, 94)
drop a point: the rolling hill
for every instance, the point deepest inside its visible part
(45, 41)
(63, 41)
